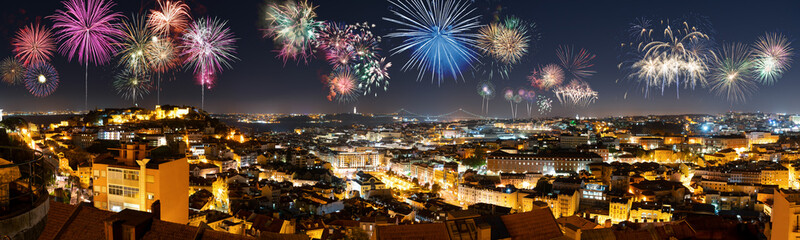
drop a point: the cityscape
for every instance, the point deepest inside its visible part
(359, 120)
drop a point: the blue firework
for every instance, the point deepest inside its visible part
(41, 79)
(438, 33)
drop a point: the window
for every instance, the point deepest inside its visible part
(150, 196)
(123, 191)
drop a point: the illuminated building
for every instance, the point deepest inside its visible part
(786, 215)
(131, 181)
(650, 212)
(562, 204)
(546, 163)
(364, 182)
(367, 160)
(502, 196)
(572, 142)
(619, 209)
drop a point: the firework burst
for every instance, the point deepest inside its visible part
(12, 71)
(732, 74)
(438, 35)
(171, 17)
(343, 87)
(33, 44)
(135, 44)
(547, 77)
(544, 104)
(576, 93)
(131, 85)
(505, 41)
(575, 63)
(667, 55)
(87, 30)
(41, 79)
(487, 92)
(208, 45)
(293, 25)
(772, 55)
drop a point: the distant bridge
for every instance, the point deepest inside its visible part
(459, 114)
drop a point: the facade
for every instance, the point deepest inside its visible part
(786, 215)
(367, 160)
(131, 181)
(364, 182)
(471, 194)
(500, 161)
(562, 204)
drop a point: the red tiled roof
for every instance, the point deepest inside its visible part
(425, 231)
(84, 222)
(533, 225)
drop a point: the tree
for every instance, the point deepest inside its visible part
(543, 186)
(436, 188)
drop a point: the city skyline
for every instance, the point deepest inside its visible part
(259, 82)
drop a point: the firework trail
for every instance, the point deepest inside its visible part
(132, 85)
(575, 63)
(486, 91)
(87, 30)
(134, 45)
(208, 45)
(163, 56)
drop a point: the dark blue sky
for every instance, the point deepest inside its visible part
(261, 83)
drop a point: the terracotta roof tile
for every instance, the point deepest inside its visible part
(533, 225)
(426, 231)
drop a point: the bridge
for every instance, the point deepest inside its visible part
(459, 114)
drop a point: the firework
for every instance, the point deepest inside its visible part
(208, 45)
(163, 56)
(172, 17)
(132, 85)
(547, 77)
(486, 91)
(577, 63)
(772, 55)
(544, 104)
(87, 30)
(33, 44)
(677, 57)
(505, 41)
(335, 41)
(41, 79)
(135, 44)
(343, 87)
(576, 93)
(732, 74)
(12, 71)
(293, 25)
(438, 35)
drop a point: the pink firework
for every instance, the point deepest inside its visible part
(172, 17)
(87, 29)
(33, 44)
(208, 46)
(343, 87)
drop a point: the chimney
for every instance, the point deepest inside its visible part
(128, 224)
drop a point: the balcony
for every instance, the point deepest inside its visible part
(24, 200)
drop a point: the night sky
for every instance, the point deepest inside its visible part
(261, 83)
